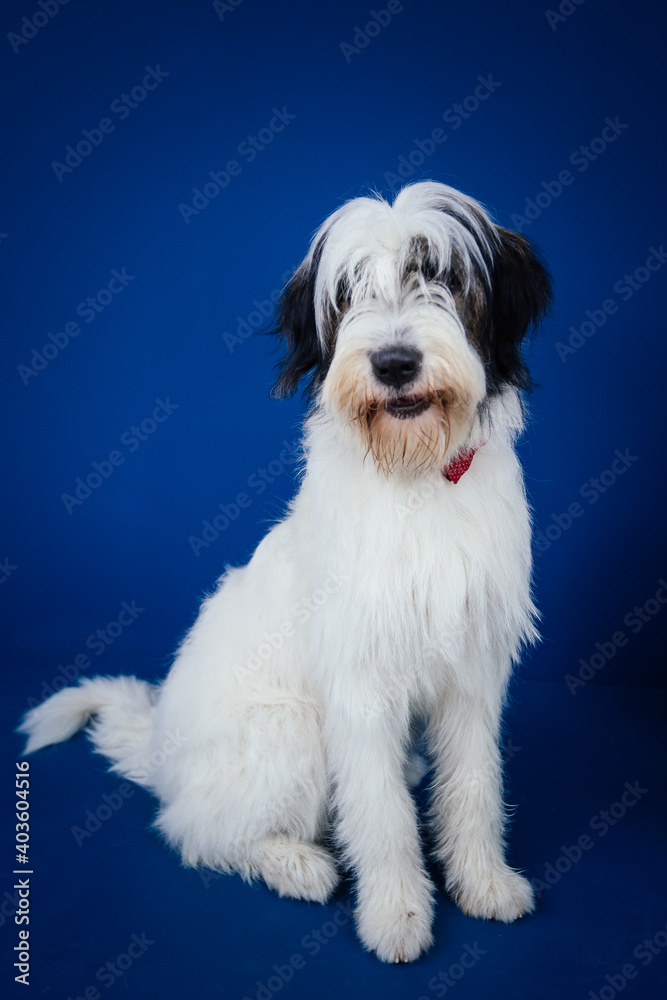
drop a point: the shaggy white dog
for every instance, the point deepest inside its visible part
(396, 591)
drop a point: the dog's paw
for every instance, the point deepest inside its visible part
(297, 870)
(502, 894)
(397, 929)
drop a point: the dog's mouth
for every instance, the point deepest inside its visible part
(405, 407)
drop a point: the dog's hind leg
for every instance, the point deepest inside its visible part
(253, 799)
(294, 868)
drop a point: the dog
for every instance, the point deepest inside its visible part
(395, 593)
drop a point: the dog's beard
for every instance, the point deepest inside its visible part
(411, 429)
(397, 439)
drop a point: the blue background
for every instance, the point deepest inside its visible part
(171, 334)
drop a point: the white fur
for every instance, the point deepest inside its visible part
(381, 599)
(366, 241)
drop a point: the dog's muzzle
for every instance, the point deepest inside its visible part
(396, 366)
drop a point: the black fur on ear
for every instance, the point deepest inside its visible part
(297, 330)
(520, 299)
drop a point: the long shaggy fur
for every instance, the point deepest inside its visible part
(390, 596)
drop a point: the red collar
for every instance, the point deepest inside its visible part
(455, 469)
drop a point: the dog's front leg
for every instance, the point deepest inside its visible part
(467, 809)
(377, 827)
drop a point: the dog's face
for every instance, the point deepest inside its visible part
(408, 317)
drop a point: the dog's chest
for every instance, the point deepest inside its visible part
(419, 564)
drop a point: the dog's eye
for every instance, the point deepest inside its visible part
(342, 296)
(429, 270)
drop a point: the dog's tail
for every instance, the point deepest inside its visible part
(120, 710)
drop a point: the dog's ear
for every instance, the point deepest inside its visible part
(297, 329)
(520, 299)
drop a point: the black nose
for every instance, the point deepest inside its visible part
(396, 366)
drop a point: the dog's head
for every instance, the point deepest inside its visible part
(406, 318)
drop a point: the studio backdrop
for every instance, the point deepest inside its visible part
(164, 168)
